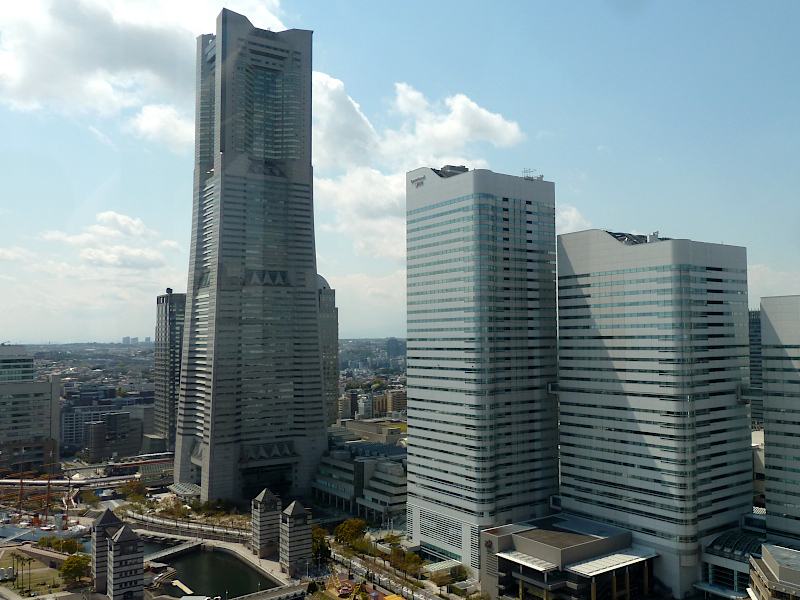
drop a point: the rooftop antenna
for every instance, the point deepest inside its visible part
(528, 173)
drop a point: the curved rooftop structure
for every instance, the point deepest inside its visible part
(737, 545)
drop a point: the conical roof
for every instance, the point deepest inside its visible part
(125, 534)
(265, 496)
(295, 509)
(107, 518)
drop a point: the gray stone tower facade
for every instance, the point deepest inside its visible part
(125, 579)
(251, 408)
(295, 548)
(117, 559)
(266, 523)
(100, 548)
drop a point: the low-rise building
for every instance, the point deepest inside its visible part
(725, 565)
(776, 574)
(375, 432)
(563, 557)
(362, 479)
(396, 400)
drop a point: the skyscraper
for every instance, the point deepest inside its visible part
(329, 339)
(482, 428)
(780, 335)
(251, 410)
(653, 359)
(170, 311)
(755, 396)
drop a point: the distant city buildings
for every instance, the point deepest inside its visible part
(251, 412)
(395, 348)
(482, 427)
(780, 337)
(29, 414)
(170, 313)
(329, 341)
(653, 361)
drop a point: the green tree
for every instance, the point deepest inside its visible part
(134, 487)
(89, 497)
(397, 558)
(74, 568)
(441, 579)
(319, 544)
(121, 393)
(350, 530)
(459, 573)
(413, 563)
(68, 545)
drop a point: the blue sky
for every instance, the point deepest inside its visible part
(681, 117)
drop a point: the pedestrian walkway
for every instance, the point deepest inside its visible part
(287, 592)
(175, 550)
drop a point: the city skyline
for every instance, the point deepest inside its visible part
(669, 117)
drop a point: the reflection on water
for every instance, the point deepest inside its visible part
(212, 574)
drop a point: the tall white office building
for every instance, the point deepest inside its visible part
(780, 339)
(653, 358)
(482, 427)
(251, 406)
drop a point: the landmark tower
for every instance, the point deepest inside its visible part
(251, 409)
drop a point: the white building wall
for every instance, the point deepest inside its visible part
(653, 344)
(482, 429)
(780, 338)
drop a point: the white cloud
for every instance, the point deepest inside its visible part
(361, 171)
(162, 123)
(342, 135)
(116, 240)
(569, 219)
(110, 57)
(763, 281)
(122, 223)
(15, 254)
(122, 256)
(433, 133)
(106, 276)
(104, 139)
(371, 306)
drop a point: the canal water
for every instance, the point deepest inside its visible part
(212, 574)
